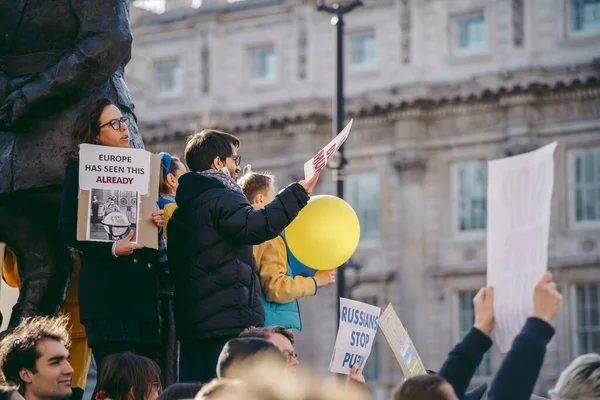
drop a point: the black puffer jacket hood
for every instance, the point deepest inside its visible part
(210, 238)
(192, 185)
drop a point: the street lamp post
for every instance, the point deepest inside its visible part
(338, 161)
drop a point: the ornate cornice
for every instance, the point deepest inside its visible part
(430, 107)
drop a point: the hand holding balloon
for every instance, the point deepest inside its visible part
(325, 278)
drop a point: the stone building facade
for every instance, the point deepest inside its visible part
(436, 88)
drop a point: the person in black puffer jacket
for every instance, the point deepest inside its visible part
(210, 238)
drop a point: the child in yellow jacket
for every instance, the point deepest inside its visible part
(281, 288)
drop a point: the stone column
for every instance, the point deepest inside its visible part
(410, 163)
(411, 168)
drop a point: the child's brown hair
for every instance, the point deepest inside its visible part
(253, 183)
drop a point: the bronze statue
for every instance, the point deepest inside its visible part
(55, 57)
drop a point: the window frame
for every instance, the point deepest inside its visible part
(574, 317)
(455, 187)
(363, 240)
(251, 51)
(571, 31)
(363, 65)
(571, 198)
(174, 93)
(454, 33)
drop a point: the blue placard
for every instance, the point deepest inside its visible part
(298, 269)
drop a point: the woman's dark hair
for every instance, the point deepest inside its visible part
(125, 371)
(180, 391)
(422, 387)
(87, 125)
(174, 166)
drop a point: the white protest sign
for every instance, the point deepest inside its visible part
(401, 344)
(358, 327)
(318, 162)
(518, 202)
(105, 167)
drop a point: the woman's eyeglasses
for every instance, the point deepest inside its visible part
(116, 123)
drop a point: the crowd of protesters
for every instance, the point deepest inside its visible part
(210, 314)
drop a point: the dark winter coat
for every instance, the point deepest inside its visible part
(210, 238)
(122, 288)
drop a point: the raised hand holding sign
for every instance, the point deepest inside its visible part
(320, 160)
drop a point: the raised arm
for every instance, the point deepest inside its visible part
(237, 220)
(271, 259)
(465, 357)
(104, 44)
(520, 369)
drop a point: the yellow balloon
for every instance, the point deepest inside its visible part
(325, 233)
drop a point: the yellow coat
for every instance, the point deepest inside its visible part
(271, 263)
(169, 210)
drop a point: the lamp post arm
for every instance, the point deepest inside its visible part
(349, 7)
(340, 10)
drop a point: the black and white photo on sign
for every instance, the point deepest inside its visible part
(112, 214)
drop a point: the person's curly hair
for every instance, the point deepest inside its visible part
(18, 348)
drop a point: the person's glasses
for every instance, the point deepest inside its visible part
(116, 123)
(157, 386)
(291, 355)
(237, 159)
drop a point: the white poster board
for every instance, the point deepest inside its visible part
(320, 160)
(116, 168)
(118, 192)
(358, 327)
(518, 199)
(402, 346)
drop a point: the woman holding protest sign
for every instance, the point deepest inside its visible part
(118, 287)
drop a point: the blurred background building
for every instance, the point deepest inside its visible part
(436, 88)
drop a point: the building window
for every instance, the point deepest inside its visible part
(363, 195)
(363, 49)
(585, 185)
(471, 32)
(466, 319)
(471, 196)
(168, 75)
(371, 369)
(585, 15)
(263, 64)
(587, 303)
